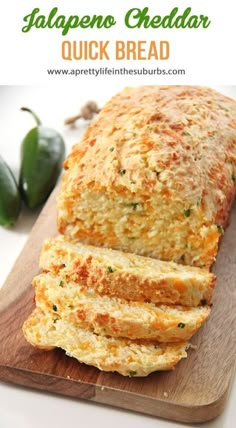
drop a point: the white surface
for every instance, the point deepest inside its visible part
(25, 408)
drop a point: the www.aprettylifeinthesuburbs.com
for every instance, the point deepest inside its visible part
(112, 71)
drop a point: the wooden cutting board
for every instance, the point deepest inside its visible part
(195, 391)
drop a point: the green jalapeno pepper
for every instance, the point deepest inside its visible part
(10, 201)
(42, 155)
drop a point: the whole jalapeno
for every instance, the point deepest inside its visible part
(10, 201)
(42, 155)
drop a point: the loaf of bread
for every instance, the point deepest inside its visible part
(110, 316)
(154, 174)
(127, 276)
(127, 357)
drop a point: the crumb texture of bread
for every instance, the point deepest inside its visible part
(109, 316)
(154, 174)
(127, 357)
(128, 276)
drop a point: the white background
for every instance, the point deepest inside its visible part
(208, 57)
(20, 407)
(207, 54)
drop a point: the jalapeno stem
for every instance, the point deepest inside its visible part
(38, 121)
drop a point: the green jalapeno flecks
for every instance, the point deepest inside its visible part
(42, 155)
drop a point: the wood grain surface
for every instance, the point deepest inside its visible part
(195, 391)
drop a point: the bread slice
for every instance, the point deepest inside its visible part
(111, 316)
(127, 276)
(154, 174)
(129, 358)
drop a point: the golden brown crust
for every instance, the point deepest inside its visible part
(154, 174)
